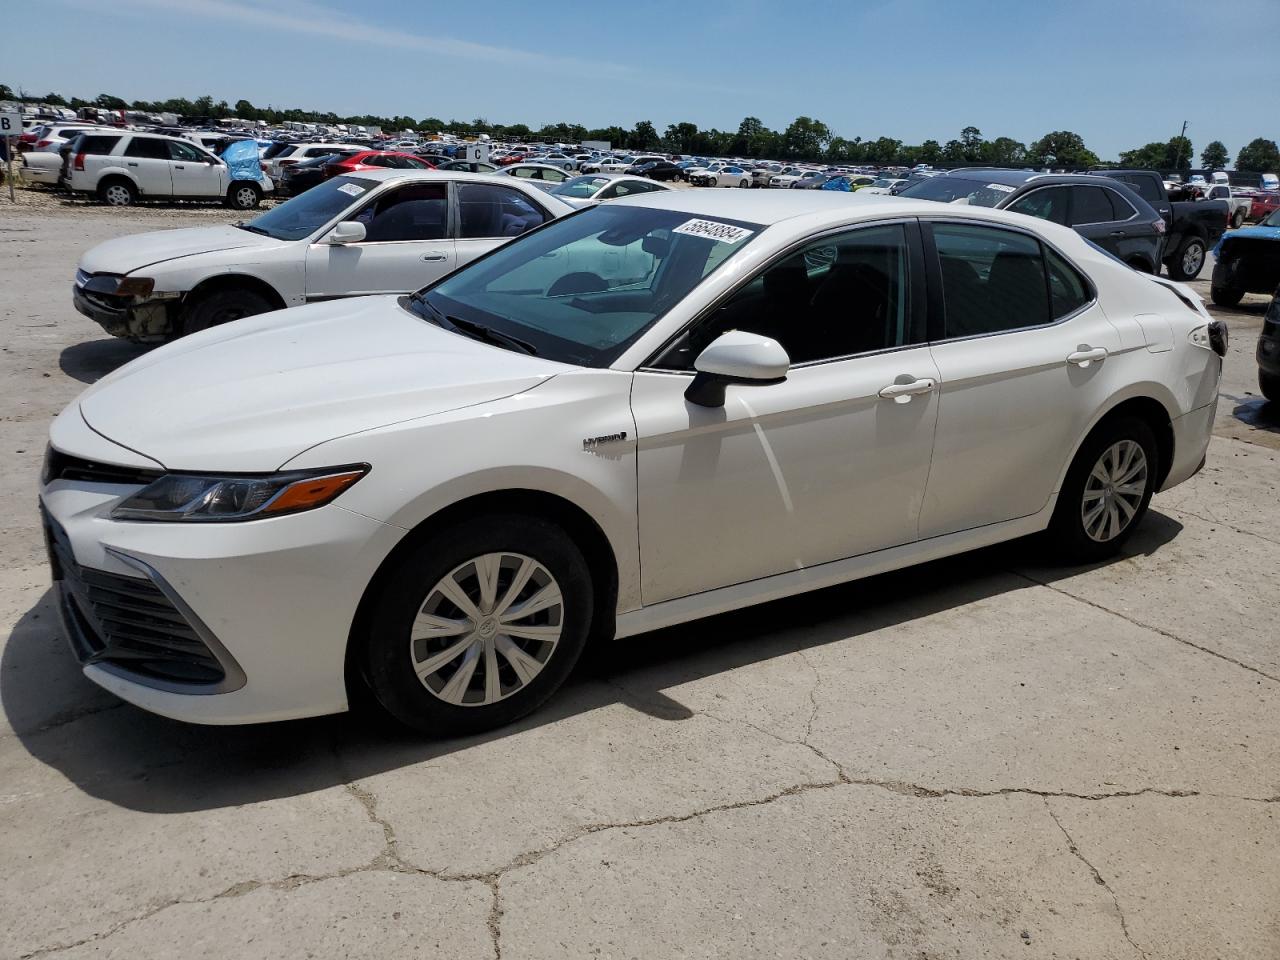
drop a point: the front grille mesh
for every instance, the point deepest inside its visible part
(127, 621)
(63, 466)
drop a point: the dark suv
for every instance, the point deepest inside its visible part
(1269, 352)
(1107, 212)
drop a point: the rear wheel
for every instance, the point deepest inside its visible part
(478, 625)
(1269, 384)
(117, 193)
(1237, 220)
(223, 306)
(1226, 296)
(1106, 493)
(1188, 261)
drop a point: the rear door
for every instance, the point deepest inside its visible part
(195, 173)
(408, 243)
(489, 215)
(146, 159)
(1093, 217)
(1021, 347)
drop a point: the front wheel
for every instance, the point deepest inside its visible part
(1188, 261)
(222, 306)
(1226, 296)
(478, 625)
(244, 196)
(1106, 493)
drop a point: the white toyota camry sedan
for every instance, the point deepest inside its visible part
(646, 412)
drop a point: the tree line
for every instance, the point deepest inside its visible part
(804, 139)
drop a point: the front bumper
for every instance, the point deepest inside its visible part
(271, 600)
(143, 321)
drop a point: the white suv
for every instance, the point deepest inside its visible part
(121, 168)
(273, 160)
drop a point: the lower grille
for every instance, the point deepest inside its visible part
(127, 622)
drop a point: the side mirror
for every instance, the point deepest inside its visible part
(348, 231)
(736, 357)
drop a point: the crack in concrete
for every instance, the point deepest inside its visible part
(1097, 878)
(1146, 626)
(1221, 523)
(62, 719)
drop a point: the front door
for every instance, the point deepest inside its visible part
(830, 463)
(408, 243)
(1022, 351)
(193, 173)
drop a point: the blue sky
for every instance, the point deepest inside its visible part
(1120, 73)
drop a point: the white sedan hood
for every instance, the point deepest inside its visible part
(255, 393)
(126, 254)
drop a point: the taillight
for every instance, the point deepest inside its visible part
(79, 161)
(285, 163)
(264, 167)
(42, 143)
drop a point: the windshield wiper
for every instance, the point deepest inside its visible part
(252, 229)
(470, 328)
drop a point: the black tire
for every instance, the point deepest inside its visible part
(117, 192)
(1177, 265)
(1269, 384)
(1069, 542)
(222, 306)
(1226, 296)
(1237, 220)
(244, 196)
(386, 654)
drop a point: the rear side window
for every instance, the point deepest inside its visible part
(495, 211)
(993, 280)
(1121, 208)
(1090, 205)
(97, 144)
(146, 148)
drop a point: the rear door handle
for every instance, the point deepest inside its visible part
(1082, 358)
(1118, 233)
(435, 257)
(179, 166)
(903, 392)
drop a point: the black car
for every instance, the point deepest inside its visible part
(1105, 211)
(656, 170)
(1248, 262)
(302, 176)
(1269, 351)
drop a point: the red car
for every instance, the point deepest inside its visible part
(509, 159)
(376, 160)
(1264, 204)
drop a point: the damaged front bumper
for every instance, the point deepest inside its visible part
(146, 319)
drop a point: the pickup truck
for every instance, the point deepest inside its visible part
(1237, 203)
(1192, 226)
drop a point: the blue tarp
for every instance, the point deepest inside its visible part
(242, 160)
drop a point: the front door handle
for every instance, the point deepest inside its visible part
(132, 164)
(1118, 233)
(435, 257)
(179, 167)
(1082, 358)
(903, 392)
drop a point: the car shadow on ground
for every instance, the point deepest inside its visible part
(125, 756)
(91, 360)
(1257, 412)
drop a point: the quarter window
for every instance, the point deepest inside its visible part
(836, 297)
(493, 211)
(1068, 290)
(992, 280)
(1121, 208)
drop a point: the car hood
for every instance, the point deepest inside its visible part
(126, 254)
(1253, 233)
(253, 394)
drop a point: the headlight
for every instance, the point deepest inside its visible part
(185, 497)
(116, 286)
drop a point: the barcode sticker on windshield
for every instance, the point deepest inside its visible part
(712, 230)
(1000, 187)
(351, 189)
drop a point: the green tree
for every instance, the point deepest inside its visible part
(1259, 156)
(1004, 152)
(883, 150)
(246, 110)
(683, 138)
(644, 137)
(1062, 148)
(971, 144)
(108, 102)
(6, 92)
(1215, 156)
(806, 138)
(54, 100)
(1179, 153)
(930, 152)
(1149, 157)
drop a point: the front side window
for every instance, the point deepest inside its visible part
(418, 211)
(836, 297)
(184, 152)
(486, 210)
(1047, 203)
(583, 288)
(1090, 205)
(993, 280)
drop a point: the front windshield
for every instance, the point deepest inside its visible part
(582, 289)
(977, 193)
(1272, 220)
(308, 212)
(580, 188)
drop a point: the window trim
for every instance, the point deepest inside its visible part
(917, 296)
(935, 267)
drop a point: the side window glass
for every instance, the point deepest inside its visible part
(419, 211)
(1090, 205)
(836, 297)
(1068, 291)
(184, 152)
(1145, 186)
(1121, 208)
(1049, 203)
(525, 172)
(495, 211)
(148, 149)
(993, 280)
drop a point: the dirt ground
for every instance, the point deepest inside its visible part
(982, 757)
